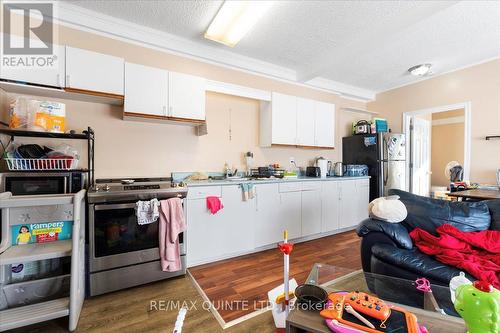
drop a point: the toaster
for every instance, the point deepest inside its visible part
(313, 172)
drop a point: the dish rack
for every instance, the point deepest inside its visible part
(41, 164)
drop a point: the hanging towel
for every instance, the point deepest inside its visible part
(214, 205)
(147, 211)
(248, 191)
(172, 223)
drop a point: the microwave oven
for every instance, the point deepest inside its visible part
(32, 183)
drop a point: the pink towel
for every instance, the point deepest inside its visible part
(171, 224)
(214, 204)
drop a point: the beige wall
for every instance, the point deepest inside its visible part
(480, 85)
(447, 144)
(130, 148)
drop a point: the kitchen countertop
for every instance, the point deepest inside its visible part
(194, 183)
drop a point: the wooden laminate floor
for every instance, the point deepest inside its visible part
(132, 311)
(239, 286)
(154, 307)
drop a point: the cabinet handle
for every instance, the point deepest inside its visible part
(164, 110)
(67, 81)
(170, 109)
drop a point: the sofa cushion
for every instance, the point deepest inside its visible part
(395, 231)
(428, 213)
(494, 206)
(415, 261)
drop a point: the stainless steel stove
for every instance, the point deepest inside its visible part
(123, 253)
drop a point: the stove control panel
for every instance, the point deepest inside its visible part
(141, 187)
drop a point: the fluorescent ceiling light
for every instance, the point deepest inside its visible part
(420, 70)
(235, 19)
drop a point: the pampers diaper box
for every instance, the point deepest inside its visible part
(41, 232)
(38, 233)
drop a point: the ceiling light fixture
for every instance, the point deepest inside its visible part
(234, 19)
(420, 70)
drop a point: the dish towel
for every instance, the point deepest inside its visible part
(214, 205)
(172, 223)
(248, 191)
(147, 211)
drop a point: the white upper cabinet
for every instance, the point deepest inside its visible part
(297, 121)
(91, 71)
(325, 125)
(305, 121)
(146, 90)
(186, 96)
(284, 119)
(52, 76)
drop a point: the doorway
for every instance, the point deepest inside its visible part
(438, 139)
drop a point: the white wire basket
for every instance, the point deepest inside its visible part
(39, 164)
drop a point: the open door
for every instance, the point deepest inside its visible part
(420, 155)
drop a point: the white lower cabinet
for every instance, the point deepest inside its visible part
(330, 206)
(354, 197)
(303, 208)
(348, 204)
(290, 214)
(268, 227)
(229, 231)
(363, 198)
(311, 212)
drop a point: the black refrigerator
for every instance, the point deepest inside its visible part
(384, 154)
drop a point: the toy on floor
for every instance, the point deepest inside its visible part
(286, 248)
(283, 295)
(479, 305)
(180, 320)
(430, 303)
(370, 315)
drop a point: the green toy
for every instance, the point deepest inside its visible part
(479, 305)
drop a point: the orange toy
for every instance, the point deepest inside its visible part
(338, 301)
(371, 306)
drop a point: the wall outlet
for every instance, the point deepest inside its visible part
(292, 160)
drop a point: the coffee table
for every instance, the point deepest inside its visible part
(428, 307)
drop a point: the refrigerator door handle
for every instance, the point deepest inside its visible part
(386, 173)
(380, 184)
(385, 152)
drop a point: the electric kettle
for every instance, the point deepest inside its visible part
(339, 169)
(324, 166)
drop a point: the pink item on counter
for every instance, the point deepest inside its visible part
(214, 204)
(171, 224)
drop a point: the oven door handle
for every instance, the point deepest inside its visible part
(114, 206)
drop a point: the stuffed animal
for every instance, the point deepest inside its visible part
(479, 305)
(389, 209)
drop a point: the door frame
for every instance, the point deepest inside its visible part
(467, 106)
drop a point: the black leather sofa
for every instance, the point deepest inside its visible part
(387, 249)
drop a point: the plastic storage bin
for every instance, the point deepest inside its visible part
(356, 170)
(36, 291)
